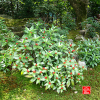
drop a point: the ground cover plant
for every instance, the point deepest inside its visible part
(45, 58)
(89, 51)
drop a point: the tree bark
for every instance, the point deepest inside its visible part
(57, 14)
(80, 7)
(48, 14)
(11, 4)
(17, 5)
(52, 17)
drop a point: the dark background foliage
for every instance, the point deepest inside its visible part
(48, 10)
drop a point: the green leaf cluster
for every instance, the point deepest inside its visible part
(89, 51)
(44, 57)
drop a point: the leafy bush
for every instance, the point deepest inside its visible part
(7, 39)
(68, 21)
(92, 32)
(89, 51)
(95, 26)
(6, 35)
(41, 25)
(45, 58)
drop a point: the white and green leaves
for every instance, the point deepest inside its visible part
(45, 50)
(68, 83)
(89, 51)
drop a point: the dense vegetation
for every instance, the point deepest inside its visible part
(44, 53)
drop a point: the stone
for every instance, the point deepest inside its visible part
(83, 32)
(88, 25)
(76, 57)
(70, 40)
(14, 69)
(80, 37)
(96, 37)
(82, 63)
(21, 40)
(83, 38)
(76, 92)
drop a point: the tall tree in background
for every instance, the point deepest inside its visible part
(96, 1)
(26, 8)
(12, 7)
(80, 7)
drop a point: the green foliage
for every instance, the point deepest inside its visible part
(92, 32)
(45, 57)
(32, 23)
(7, 39)
(93, 9)
(3, 27)
(41, 25)
(89, 51)
(4, 7)
(27, 9)
(96, 1)
(95, 26)
(6, 35)
(68, 21)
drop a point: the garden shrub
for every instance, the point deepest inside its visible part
(89, 51)
(93, 29)
(7, 39)
(45, 58)
(68, 21)
(6, 36)
(32, 22)
(41, 24)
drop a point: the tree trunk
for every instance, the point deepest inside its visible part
(57, 13)
(80, 7)
(56, 18)
(61, 20)
(17, 5)
(11, 7)
(52, 17)
(48, 14)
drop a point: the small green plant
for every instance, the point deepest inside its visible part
(89, 51)
(45, 58)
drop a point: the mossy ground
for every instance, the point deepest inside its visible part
(17, 87)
